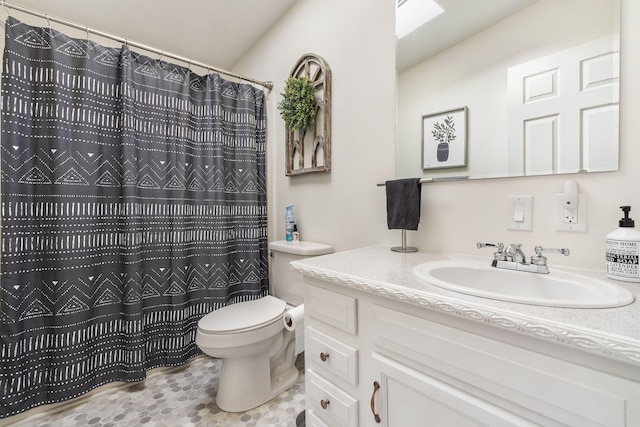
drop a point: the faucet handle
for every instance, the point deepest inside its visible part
(498, 254)
(481, 245)
(562, 251)
(539, 259)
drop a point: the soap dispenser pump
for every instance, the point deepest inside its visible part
(623, 250)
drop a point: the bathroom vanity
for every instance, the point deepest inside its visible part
(384, 348)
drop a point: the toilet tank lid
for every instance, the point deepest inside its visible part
(302, 248)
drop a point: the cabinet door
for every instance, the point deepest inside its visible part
(540, 388)
(411, 398)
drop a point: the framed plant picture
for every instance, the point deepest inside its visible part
(444, 139)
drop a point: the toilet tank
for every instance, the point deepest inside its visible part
(285, 283)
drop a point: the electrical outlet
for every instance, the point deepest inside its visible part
(570, 216)
(574, 219)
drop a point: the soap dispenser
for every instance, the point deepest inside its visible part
(623, 250)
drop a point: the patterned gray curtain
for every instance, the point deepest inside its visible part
(133, 203)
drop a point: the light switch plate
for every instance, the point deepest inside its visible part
(519, 213)
(573, 222)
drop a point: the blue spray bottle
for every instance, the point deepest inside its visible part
(289, 221)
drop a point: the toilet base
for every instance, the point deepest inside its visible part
(248, 382)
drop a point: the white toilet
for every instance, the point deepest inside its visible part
(250, 336)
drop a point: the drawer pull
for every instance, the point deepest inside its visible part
(376, 387)
(324, 356)
(324, 403)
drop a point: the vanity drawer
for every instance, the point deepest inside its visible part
(332, 308)
(312, 420)
(329, 402)
(331, 356)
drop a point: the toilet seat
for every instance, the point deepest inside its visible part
(243, 316)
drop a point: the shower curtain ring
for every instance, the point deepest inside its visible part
(48, 20)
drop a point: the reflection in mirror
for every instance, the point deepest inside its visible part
(540, 85)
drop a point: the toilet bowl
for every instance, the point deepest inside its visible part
(258, 352)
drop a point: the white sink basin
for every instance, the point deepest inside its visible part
(556, 289)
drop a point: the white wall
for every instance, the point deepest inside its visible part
(346, 209)
(343, 208)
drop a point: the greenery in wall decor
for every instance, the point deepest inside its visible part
(298, 105)
(445, 133)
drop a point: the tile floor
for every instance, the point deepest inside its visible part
(182, 397)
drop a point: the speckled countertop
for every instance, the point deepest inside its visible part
(611, 332)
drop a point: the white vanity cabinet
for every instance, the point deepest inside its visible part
(437, 369)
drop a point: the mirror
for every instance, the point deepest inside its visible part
(509, 66)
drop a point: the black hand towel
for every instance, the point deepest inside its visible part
(403, 203)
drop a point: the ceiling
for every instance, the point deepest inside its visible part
(215, 32)
(221, 32)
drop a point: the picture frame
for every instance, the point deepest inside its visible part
(444, 139)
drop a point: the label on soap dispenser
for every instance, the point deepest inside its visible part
(622, 260)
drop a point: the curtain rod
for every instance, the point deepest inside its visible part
(268, 85)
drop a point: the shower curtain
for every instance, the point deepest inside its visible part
(133, 203)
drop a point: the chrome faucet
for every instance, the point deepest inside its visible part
(512, 257)
(514, 253)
